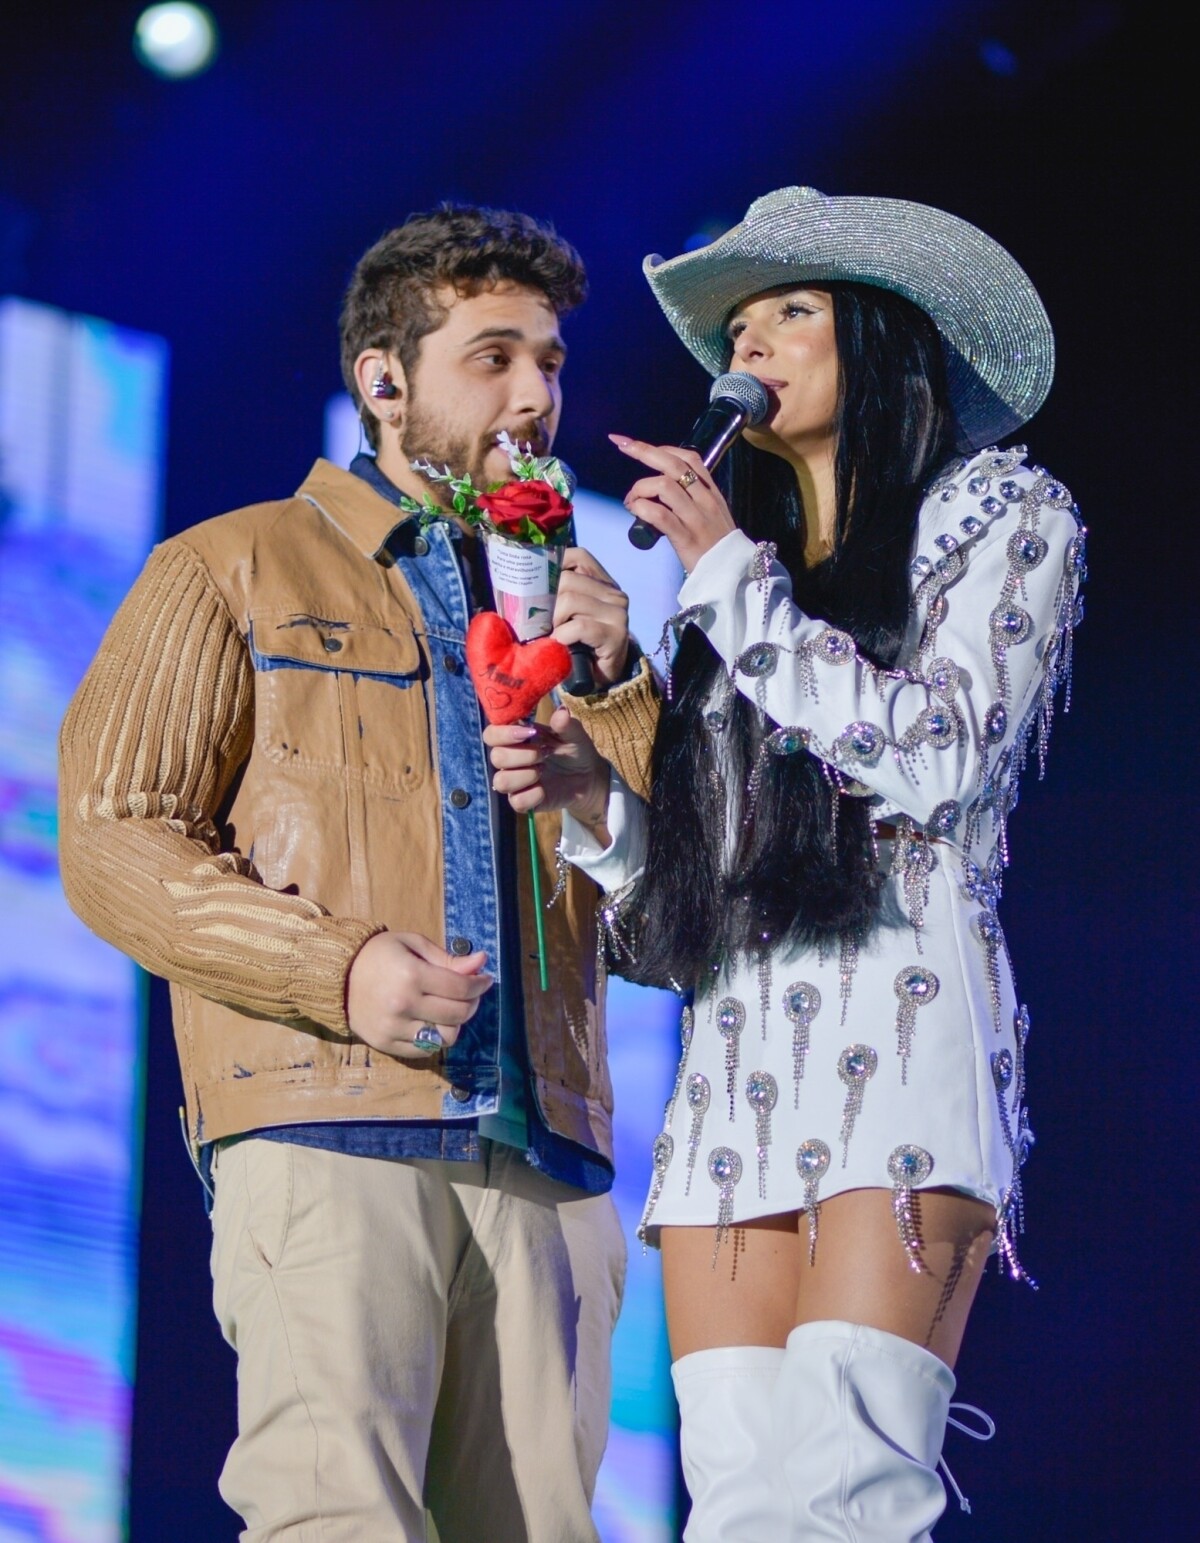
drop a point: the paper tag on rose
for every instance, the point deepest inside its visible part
(524, 583)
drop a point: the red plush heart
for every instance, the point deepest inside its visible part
(512, 677)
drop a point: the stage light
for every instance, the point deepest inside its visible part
(175, 40)
(999, 58)
(706, 233)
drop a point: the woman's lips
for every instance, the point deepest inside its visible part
(773, 389)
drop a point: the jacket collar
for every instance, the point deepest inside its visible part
(363, 515)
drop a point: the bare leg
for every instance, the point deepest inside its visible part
(863, 1275)
(763, 1285)
(748, 1298)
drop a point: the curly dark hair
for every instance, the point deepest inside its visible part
(391, 301)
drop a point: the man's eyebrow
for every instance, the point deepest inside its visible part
(511, 335)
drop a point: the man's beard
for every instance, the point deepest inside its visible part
(425, 438)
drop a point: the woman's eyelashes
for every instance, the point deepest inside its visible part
(788, 311)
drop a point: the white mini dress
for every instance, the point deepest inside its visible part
(896, 1061)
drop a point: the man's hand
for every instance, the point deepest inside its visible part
(590, 608)
(551, 766)
(401, 983)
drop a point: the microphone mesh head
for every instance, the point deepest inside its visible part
(746, 390)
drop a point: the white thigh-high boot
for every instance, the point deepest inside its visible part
(861, 1415)
(727, 1445)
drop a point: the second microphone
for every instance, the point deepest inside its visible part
(736, 401)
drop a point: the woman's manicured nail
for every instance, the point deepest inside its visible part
(622, 441)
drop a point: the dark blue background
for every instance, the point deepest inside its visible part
(226, 212)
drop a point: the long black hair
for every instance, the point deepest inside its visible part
(802, 871)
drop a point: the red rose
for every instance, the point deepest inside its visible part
(511, 505)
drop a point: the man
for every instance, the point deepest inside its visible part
(275, 794)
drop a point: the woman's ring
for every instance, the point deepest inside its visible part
(686, 479)
(428, 1039)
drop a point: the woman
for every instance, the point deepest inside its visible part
(876, 616)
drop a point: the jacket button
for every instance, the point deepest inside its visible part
(461, 1095)
(420, 545)
(450, 664)
(460, 798)
(333, 645)
(460, 946)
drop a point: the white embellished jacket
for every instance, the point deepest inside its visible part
(939, 741)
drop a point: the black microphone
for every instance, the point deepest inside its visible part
(736, 401)
(581, 681)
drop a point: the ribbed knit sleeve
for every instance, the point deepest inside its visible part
(621, 723)
(150, 743)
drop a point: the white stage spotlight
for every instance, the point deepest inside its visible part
(175, 40)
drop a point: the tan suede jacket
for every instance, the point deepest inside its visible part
(244, 835)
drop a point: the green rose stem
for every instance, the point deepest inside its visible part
(543, 973)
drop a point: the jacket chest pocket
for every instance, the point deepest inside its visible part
(343, 699)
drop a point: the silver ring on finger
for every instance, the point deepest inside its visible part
(686, 478)
(428, 1039)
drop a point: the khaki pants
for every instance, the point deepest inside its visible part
(413, 1335)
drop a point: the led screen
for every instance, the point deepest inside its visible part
(81, 443)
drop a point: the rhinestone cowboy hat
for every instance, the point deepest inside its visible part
(996, 334)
